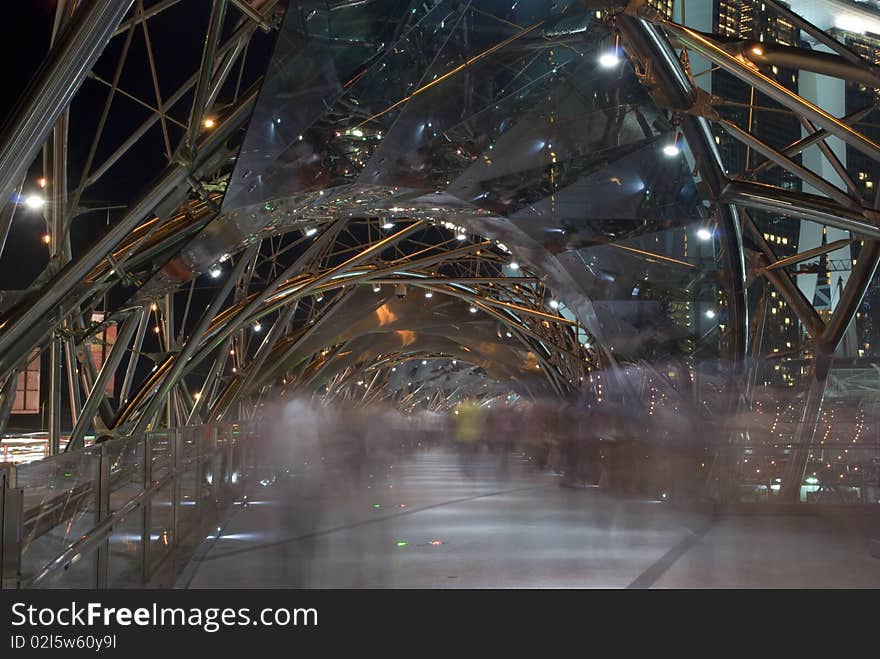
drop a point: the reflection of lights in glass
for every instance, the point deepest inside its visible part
(388, 225)
(47, 238)
(704, 234)
(311, 232)
(424, 362)
(710, 313)
(757, 50)
(514, 265)
(42, 182)
(473, 310)
(671, 150)
(215, 271)
(377, 288)
(461, 236)
(209, 123)
(258, 327)
(554, 304)
(429, 294)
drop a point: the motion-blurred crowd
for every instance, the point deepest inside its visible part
(626, 454)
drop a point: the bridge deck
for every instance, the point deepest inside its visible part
(510, 526)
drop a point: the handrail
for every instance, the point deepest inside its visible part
(185, 454)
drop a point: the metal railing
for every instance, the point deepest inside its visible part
(124, 513)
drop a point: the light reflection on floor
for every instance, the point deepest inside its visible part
(435, 521)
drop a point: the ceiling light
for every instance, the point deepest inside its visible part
(609, 60)
(35, 202)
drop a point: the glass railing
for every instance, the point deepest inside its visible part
(125, 513)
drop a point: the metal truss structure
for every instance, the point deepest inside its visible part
(365, 247)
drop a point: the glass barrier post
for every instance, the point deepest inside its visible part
(215, 472)
(11, 530)
(101, 481)
(177, 456)
(146, 510)
(197, 466)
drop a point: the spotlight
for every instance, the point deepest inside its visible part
(704, 234)
(710, 313)
(609, 60)
(215, 271)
